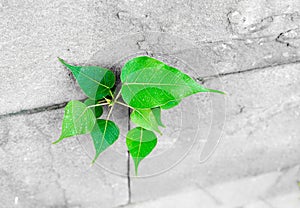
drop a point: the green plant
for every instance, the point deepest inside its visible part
(148, 86)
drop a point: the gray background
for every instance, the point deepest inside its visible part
(254, 46)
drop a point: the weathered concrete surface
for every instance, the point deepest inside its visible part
(254, 192)
(235, 36)
(243, 41)
(36, 173)
(35, 33)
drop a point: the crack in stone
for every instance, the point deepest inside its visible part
(145, 49)
(202, 80)
(241, 109)
(139, 42)
(229, 26)
(128, 168)
(128, 163)
(279, 39)
(210, 77)
(283, 172)
(266, 202)
(214, 198)
(236, 27)
(121, 14)
(284, 38)
(37, 110)
(65, 200)
(261, 25)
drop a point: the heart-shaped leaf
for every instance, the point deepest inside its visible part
(104, 134)
(78, 119)
(98, 110)
(94, 81)
(140, 142)
(147, 118)
(149, 83)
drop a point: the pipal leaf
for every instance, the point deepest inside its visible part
(94, 81)
(145, 118)
(78, 119)
(140, 142)
(149, 83)
(97, 110)
(104, 134)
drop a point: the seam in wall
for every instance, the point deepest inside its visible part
(201, 79)
(36, 110)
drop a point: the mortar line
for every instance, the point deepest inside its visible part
(206, 78)
(128, 162)
(37, 110)
(201, 79)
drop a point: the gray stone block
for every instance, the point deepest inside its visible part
(36, 173)
(261, 133)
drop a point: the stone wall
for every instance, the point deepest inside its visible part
(253, 47)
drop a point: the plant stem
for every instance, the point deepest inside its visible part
(110, 92)
(120, 103)
(102, 101)
(118, 95)
(101, 104)
(110, 111)
(113, 104)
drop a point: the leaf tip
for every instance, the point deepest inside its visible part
(217, 91)
(159, 132)
(221, 92)
(57, 141)
(61, 60)
(64, 63)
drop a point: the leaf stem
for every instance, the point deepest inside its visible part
(110, 111)
(113, 104)
(117, 97)
(101, 104)
(120, 103)
(102, 101)
(111, 94)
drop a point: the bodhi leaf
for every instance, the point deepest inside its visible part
(97, 110)
(147, 118)
(149, 83)
(104, 134)
(78, 119)
(94, 81)
(140, 142)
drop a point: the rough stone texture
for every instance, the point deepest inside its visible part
(249, 34)
(35, 173)
(250, 192)
(253, 45)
